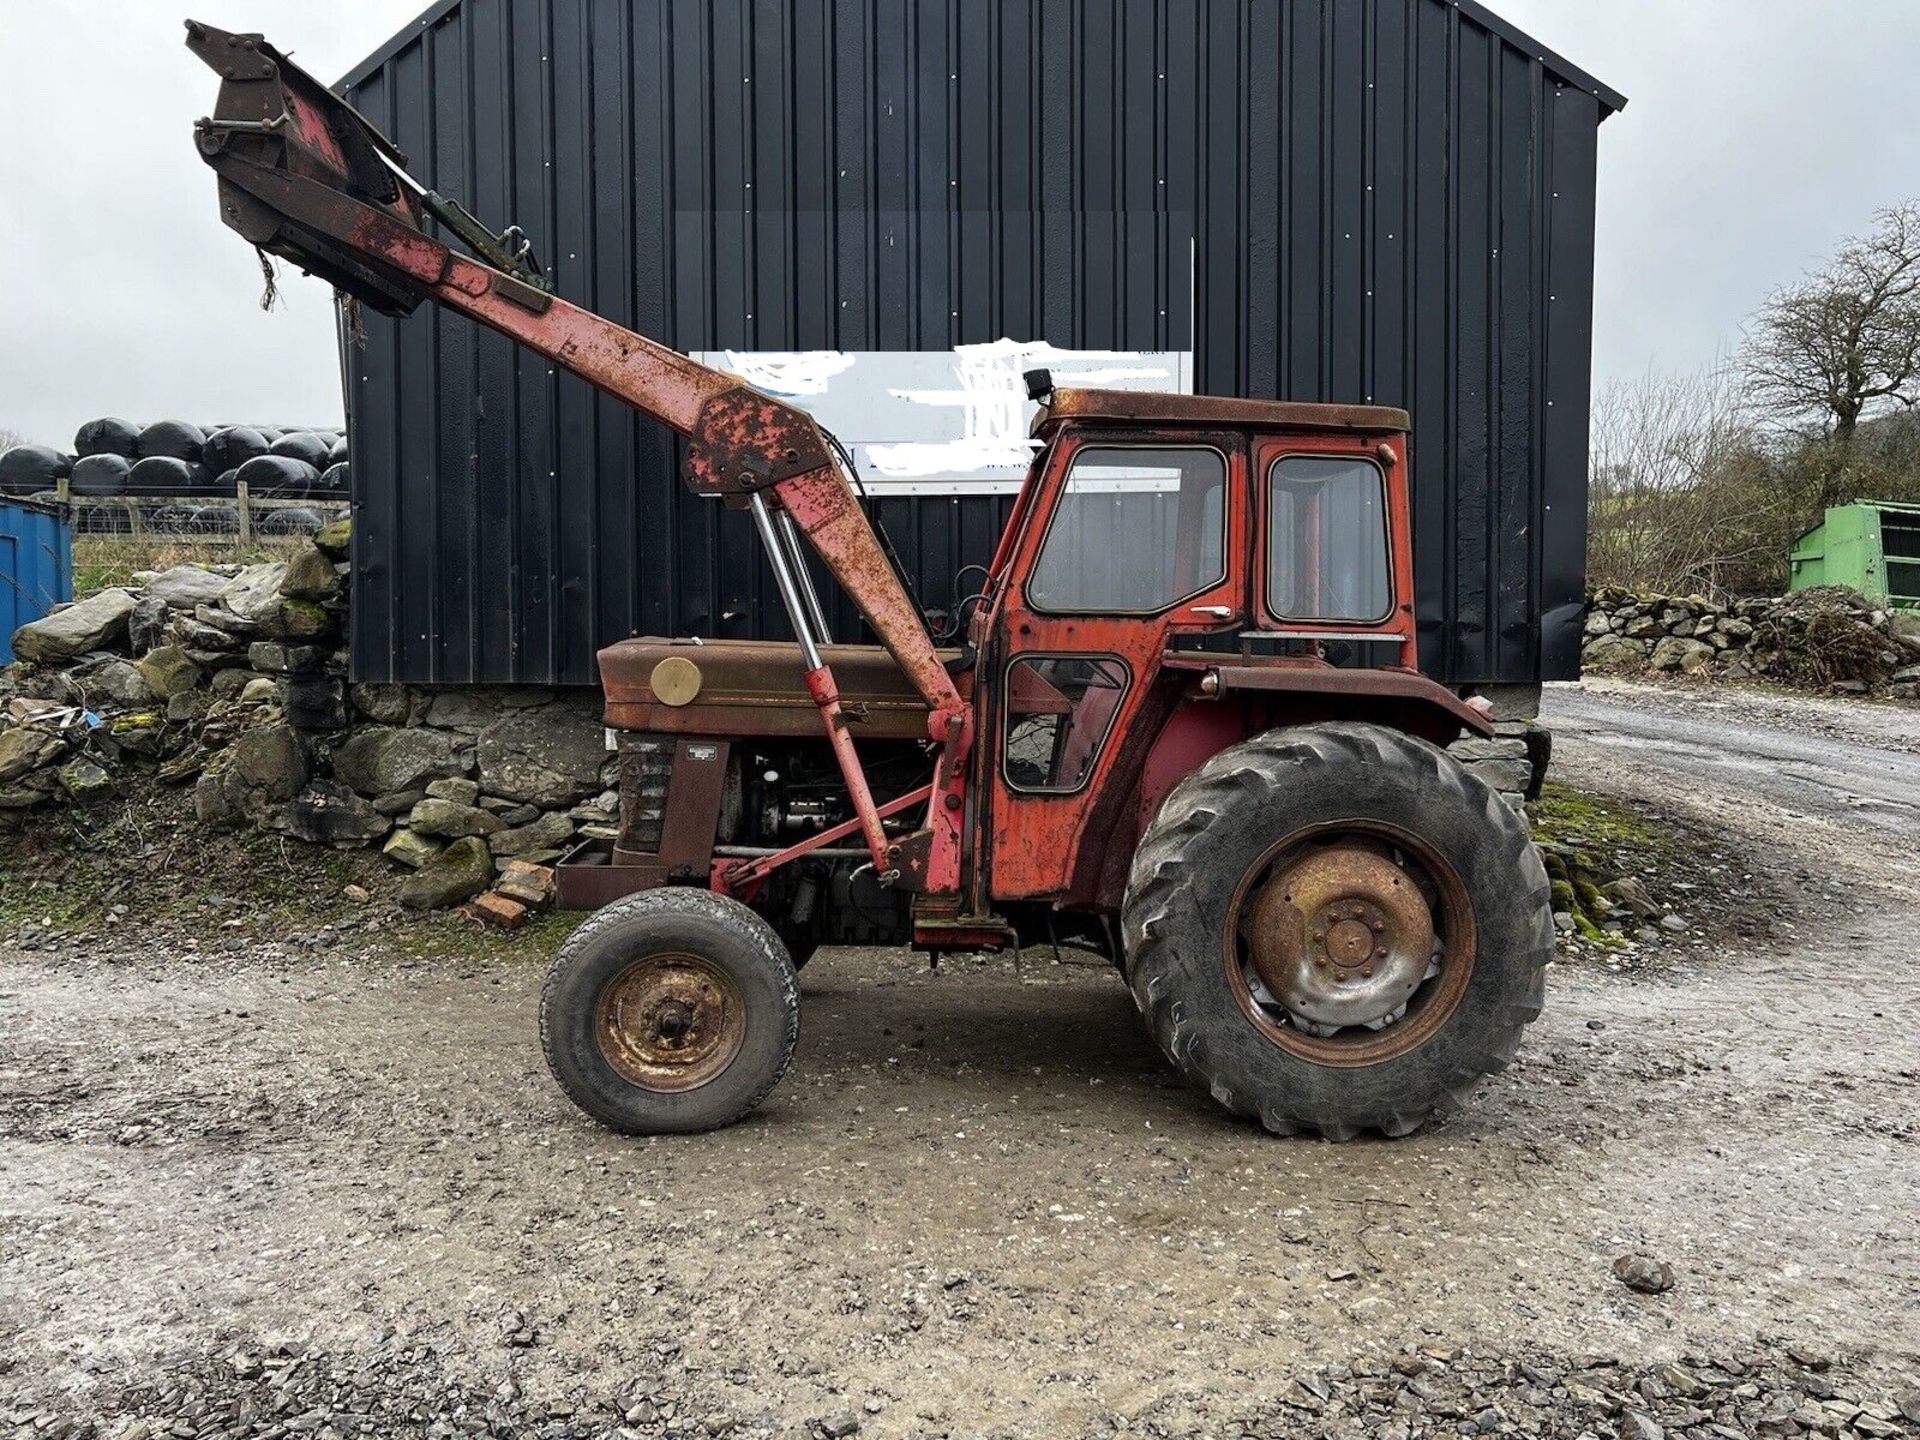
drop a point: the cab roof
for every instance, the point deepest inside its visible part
(1155, 407)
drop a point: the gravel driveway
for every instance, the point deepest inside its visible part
(279, 1190)
(1851, 762)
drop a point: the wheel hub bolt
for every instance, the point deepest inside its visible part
(674, 1020)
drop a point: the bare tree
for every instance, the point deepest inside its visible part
(1678, 498)
(10, 438)
(1844, 343)
(1692, 487)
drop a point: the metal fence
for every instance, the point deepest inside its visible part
(238, 520)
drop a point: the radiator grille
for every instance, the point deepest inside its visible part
(646, 767)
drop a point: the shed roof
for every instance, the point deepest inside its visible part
(1611, 100)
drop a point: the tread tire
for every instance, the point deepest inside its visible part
(1220, 819)
(801, 946)
(698, 921)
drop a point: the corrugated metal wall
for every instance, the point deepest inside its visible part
(1368, 200)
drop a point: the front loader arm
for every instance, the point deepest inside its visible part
(303, 176)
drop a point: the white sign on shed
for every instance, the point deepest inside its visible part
(942, 422)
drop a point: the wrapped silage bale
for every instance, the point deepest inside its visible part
(173, 440)
(27, 469)
(113, 457)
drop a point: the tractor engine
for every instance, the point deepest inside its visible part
(777, 793)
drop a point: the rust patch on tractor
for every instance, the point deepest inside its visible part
(671, 1022)
(1350, 944)
(1339, 928)
(743, 441)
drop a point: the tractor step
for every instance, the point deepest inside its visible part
(963, 932)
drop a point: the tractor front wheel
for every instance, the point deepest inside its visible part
(1336, 928)
(670, 1011)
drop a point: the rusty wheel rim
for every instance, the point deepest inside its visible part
(671, 1022)
(1349, 944)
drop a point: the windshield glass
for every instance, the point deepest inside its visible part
(1136, 530)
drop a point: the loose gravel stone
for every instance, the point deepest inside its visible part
(1644, 1273)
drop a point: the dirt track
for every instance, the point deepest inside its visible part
(979, 1203)
(1852, 763)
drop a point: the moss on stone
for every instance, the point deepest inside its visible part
(1592, 844)
(1591, 932)
(300, 620)
(335, 537)
(1573, 817)
(1592, 902)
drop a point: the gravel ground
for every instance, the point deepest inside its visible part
(1853, 762)
(322, 1185)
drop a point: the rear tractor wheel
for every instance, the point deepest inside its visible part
(1336, 928)
(670, 1011)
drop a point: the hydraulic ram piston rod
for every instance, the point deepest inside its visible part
(820, 683)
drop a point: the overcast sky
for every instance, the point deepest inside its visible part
(1760, 133)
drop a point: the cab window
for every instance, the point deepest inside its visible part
(1059, 710)
(1327, 540)
(1136, 530)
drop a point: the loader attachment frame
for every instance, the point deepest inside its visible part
(305, 177)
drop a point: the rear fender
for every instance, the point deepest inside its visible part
(1300, 691)
(1221, 705)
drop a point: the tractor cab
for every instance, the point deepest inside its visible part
(1282, 525)
(1179, 572)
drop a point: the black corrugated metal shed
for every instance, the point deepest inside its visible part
(1366, 200)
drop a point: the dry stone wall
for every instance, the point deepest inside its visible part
(1826, 638)
(231, 682)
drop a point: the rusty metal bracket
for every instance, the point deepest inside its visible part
(535, 299)
(744, 441)
(233, 57)
(509, 251)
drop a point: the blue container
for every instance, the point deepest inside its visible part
(36, 566)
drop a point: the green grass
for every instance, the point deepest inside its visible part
(101, 562)
(68, 868)
(452, 938)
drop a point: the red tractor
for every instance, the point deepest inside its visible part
(1182, 724)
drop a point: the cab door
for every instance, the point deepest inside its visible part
(1131, 545)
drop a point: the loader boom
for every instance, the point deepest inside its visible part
(304, 177)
